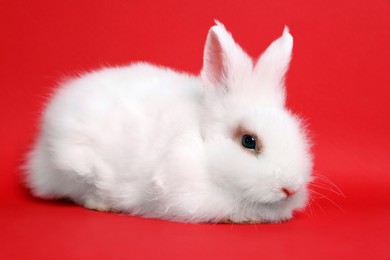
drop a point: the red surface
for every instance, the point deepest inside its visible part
(339, 80)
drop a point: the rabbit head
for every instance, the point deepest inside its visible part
(257, 150)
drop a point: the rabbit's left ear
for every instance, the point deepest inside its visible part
(272, 66)
(223, 61)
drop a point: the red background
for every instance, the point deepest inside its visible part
(339, 80)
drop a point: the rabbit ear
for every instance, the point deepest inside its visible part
(272, 66)
(223, 59)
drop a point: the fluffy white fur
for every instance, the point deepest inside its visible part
(153, 142)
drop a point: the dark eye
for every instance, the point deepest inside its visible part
(249, 142)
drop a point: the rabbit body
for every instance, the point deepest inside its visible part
(153, 142)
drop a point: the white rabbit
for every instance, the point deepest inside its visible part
(153, 142)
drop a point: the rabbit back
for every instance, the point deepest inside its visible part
(103, 133)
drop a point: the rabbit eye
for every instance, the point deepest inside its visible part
(249, 142)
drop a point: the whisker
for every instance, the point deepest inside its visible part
(309, 207)
(318, 205)
(323, 196)
(329, 185)
(326, 180)
(314, 198)
(328, 189)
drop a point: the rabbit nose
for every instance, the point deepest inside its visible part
(288, 191)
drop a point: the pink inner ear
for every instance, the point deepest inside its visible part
(214, 60)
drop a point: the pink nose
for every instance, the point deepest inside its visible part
(289, 192)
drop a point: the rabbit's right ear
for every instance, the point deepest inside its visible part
(223, 59)
(272, 65)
